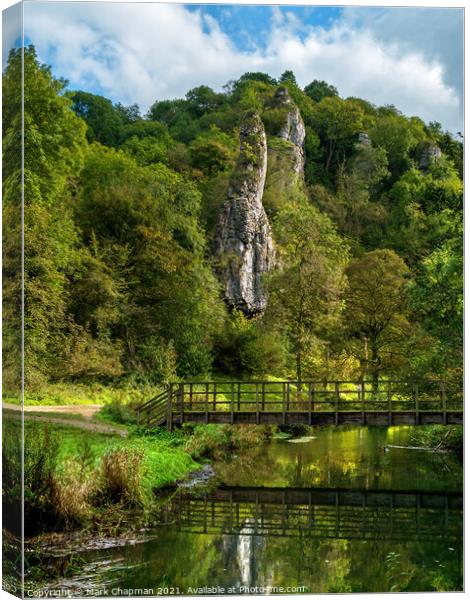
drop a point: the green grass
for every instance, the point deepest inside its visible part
(76, 477)
(81, 393)
(164, 462)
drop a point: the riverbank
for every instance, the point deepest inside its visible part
(82, 473)
(332, 499)
(94, 470)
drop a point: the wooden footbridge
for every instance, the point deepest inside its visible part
(319, 513)
(309, 402)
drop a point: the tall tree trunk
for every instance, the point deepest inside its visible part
(331, 147)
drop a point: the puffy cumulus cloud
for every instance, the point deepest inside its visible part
(140, 53)
(359, 64)
(436, 32)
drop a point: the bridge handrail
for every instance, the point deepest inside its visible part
(182, 400)
(155, 399)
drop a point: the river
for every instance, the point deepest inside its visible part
(342, 514)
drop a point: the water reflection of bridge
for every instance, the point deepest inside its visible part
(319, 513)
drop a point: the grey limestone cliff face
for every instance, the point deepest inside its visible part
(431, 152)
(244, 247)
(364, 140)
(293, 129)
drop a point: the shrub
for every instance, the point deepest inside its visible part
(274, 119)
(71, 494)
(294, 430)
(11, 472)
(41, 448)
(209, 441)
(122, 473)
(118, 411)
(216, 441)
(246, 348)
(41, 453)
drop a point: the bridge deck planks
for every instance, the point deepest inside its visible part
(322, 418)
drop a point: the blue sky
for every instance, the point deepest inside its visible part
(249, 26)
(410, 57)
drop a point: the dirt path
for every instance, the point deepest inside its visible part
(79, 416)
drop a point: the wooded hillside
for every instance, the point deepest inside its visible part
(122, 214)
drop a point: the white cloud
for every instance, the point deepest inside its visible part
(140, 53)
(436, 32)
(11, 29)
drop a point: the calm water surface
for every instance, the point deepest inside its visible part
(343, 515)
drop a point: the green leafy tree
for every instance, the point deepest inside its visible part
(104, 120)
(288, 77)
(353, 208)
(203, 99)
(378, 313)
(338, 123)
(213, 151)
(399, 136)
(246, 347)
(148, 142)
(167, 111)
(144, 220)
(305, 292)
(54, 144)
(317, 90)
(437, 299)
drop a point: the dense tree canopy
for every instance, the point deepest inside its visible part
(121, 212)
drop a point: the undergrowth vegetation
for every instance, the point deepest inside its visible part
(76, 477)
(440, 437)
(215, 441)
(71, 476)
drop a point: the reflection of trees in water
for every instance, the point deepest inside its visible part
(367, 566)
(251, 467)
(340, 457)
(323, 565)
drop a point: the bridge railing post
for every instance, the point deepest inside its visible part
(336, 402)
(181, 402)
(416, 394)
(284, 403)
(389, 402)
(311, 392)
(207, 403)
(232, 400)
(363, 403)
(443, 402)
(169, 419)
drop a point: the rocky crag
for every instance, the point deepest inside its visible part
(244, 246)
(429, 155)
(293, 128)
